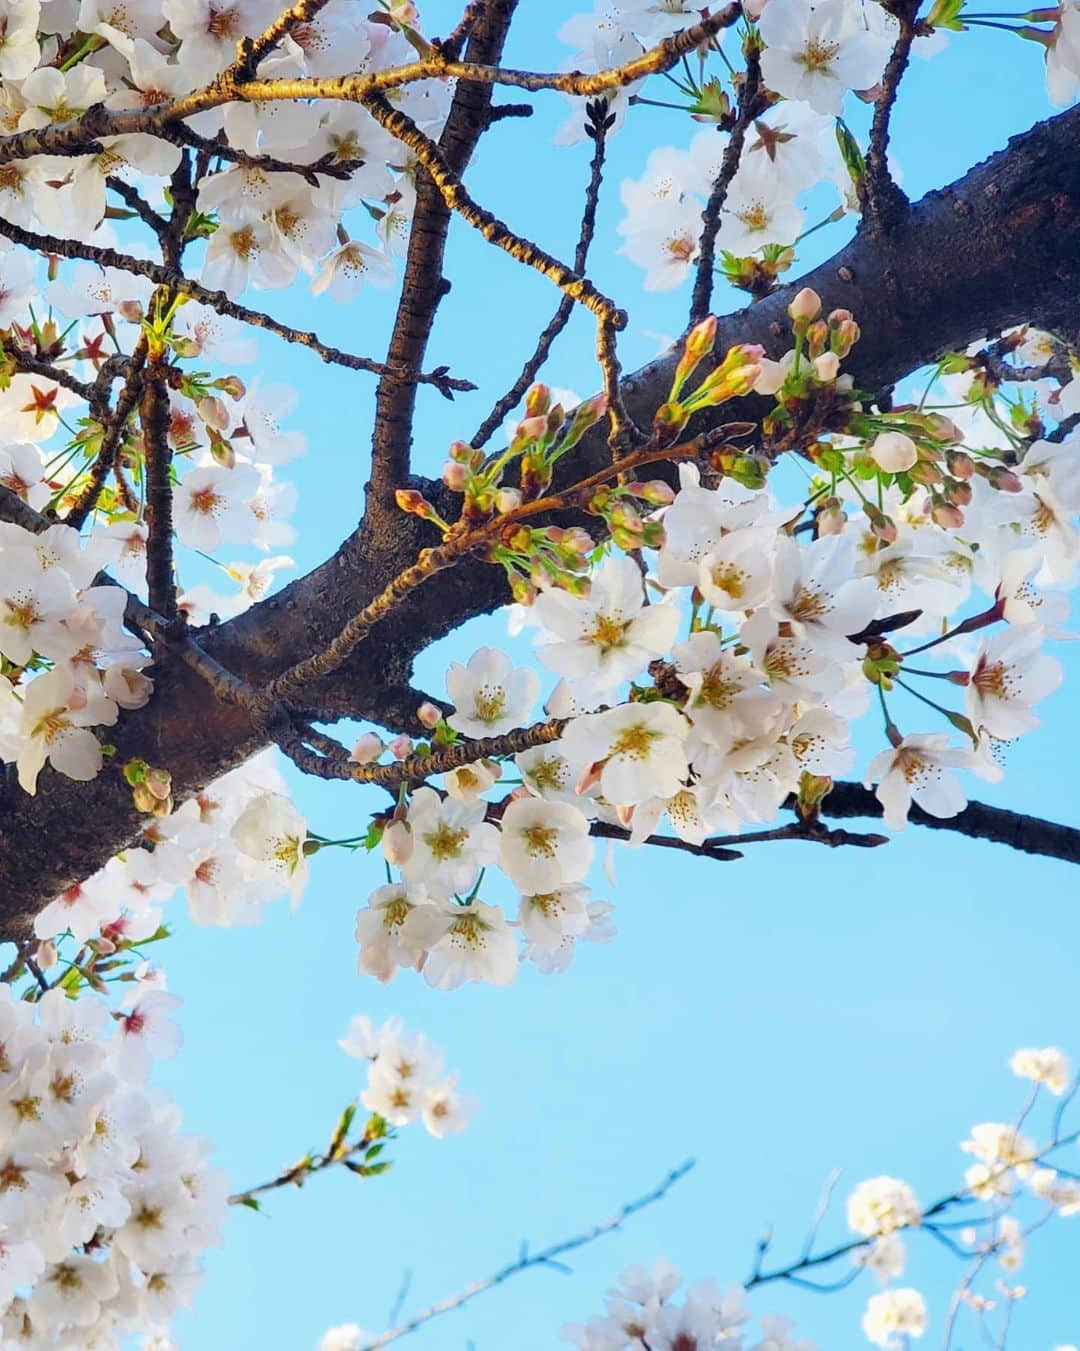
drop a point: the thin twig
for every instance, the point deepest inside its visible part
(749, 98)
(548, 1257)
(222, 304)
(597, 126)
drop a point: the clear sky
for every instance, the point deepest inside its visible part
(776, 1018)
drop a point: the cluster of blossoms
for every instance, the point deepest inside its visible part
(66, 662)
(642, 1311)
(708, 690)
(811, 56)
(406, 1078)
(231, 850)
(105, 1206)
(264, 228)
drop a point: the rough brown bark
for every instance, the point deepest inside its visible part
(998, 247)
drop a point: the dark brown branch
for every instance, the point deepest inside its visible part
(217, 147)
(157, 457)
(748, 109)
(1029, 834)
(220, 302)
(883, 200)
(597, 126)
(114, 432)
(20, 360)
(135, 201)
(424, 285)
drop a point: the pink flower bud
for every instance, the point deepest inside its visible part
(507, 499)
(960, 464)
(656, 492)
(428, 715)
(805, 307)
(948, 517)
(367, 749)
(894, 452)
(537, 401)
(401, 746)
(817, 337)
(530, 429)
(844, 337)
(1005, 481)
(827, 367)
(455, 475)
(46, 955)
(131, 310)
(397, 843)
(213, 412)
(460, 452)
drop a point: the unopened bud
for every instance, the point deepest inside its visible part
(455, 475)
(428, 715)
(943, 428)
(460, 452)
(699, 343)
(131, 310)
(827, 367)
(537, 401)
(401, 746)
(530, 429)
(507, 500)
(894, 452)
(882, 527)
(958, 492)
(213, 412)
(817, 337)
(367, 749)
(416, 504)
(144, 799)
(844, 337)
(947, 516)
(805, 307)
(1004, 480)
(927, 473)
(960, 464)
(397, 843)
(46, 955)
(656, 492)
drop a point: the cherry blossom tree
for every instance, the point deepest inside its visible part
(848, 502)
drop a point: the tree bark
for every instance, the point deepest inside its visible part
(1000, 246)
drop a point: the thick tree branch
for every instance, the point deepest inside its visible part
(1029, 834)
(999, 247)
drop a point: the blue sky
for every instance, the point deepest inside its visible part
(775, 1018)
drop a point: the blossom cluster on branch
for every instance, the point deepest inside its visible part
(717, 605)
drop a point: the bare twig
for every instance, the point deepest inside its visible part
(546, 1257)
(597, 126)
(748, 108)
(221, 303)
